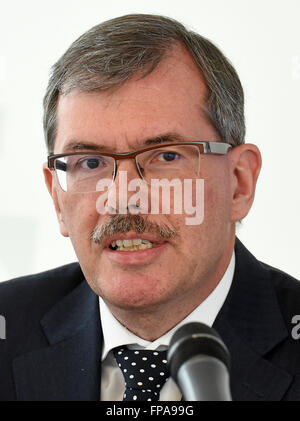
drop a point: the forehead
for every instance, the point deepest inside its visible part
(169, 100)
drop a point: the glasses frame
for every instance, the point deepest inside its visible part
(217, 148)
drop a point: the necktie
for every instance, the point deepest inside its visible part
(144, 371)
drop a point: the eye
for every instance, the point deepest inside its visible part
(167, 156)
(91, 163)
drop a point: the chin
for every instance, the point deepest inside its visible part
(134, 295)
(133, 303)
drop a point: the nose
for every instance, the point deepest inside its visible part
(128, 166)
(126, 180)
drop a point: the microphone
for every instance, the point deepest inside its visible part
(199, 362)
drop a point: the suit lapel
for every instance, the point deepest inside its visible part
(251, 325)
(69, 368)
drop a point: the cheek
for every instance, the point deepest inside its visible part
(212, 199)
(217, 196)
(80, 215)
(216, 210)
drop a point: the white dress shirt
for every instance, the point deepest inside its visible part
(115, 334)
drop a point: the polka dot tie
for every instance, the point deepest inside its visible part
(145, 372)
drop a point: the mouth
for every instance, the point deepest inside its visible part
(133, 249)
(133, 244)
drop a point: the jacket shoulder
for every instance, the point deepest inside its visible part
(285, 286)
(41, 290)
(23, 303)
(287, 289)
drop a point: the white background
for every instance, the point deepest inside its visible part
(260, 37)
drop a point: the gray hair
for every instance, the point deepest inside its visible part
(110, 53)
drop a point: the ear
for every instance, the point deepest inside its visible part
(245, 167)
(52, 187)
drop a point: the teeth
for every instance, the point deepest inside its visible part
(134, 248)
(132, 245)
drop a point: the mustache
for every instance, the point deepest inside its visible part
(125, 223)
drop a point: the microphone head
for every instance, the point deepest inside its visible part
(194, 339)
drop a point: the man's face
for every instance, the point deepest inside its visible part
(183, 270)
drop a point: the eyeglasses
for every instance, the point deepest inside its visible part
(79, 172)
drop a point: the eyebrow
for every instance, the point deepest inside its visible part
(77, 145)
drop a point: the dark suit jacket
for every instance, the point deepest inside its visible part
(53, 339)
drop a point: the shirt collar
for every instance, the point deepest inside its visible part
(115, 334)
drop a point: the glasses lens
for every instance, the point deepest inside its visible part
(170, 162)
(81, 173)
